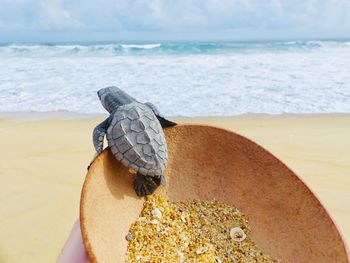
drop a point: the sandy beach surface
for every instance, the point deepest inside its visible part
(44, 159)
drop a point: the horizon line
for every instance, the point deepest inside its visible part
(246, 40)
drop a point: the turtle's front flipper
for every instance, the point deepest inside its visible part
(163, 122)
(144, 184)
(97, 137)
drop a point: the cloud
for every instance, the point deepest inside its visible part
(36, 15)
(55, 16)
(176, 19)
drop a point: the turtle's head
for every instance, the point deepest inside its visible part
(113, 97)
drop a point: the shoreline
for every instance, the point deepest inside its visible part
(69, 115)
(44, 159)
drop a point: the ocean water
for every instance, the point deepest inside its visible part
(182, 79)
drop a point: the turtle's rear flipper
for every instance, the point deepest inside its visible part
(160, 180)
(165, 123)
(144, 184)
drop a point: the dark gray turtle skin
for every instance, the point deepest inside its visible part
(135, 137)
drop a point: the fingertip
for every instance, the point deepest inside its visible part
(74, 250)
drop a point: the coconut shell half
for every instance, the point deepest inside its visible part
(288, 221)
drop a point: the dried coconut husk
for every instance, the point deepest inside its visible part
(207, 163)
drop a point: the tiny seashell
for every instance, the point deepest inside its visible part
(201, 250)
(140, 219)
(237, 234)
(217, 259)
(233, 259)
(183, 217)
(154, 222)
(128, 237)
(181, 257)
(156, 213)
(184, 238)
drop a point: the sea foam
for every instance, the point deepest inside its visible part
(182, 79)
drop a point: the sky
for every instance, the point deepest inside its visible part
(106, 20)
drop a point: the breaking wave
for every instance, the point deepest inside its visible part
(180, 48)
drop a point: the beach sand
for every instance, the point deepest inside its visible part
(44, 159)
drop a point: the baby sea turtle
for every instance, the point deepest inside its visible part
(135, 137)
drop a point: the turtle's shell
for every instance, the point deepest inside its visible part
(136, 139)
